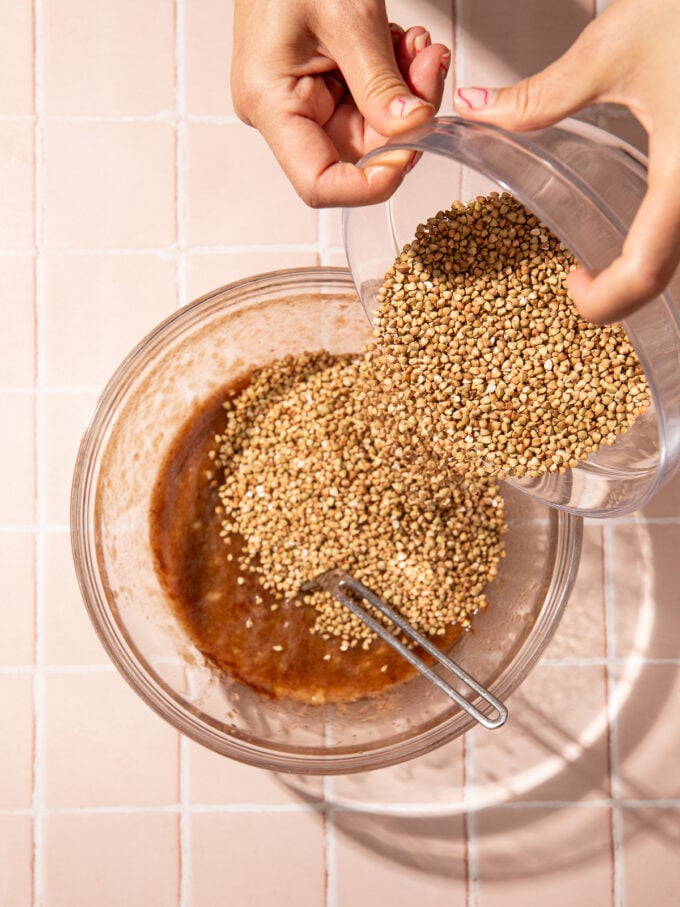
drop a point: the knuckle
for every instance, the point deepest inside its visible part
(527, 101)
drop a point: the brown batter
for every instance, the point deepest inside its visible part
(226, 612)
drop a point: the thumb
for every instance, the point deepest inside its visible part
(370, 69)
(570, 83)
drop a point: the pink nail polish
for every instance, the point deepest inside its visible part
(415, 157)
(474, 98)
(404, 106)
(445, 63)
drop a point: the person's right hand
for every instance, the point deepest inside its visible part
(326, 82)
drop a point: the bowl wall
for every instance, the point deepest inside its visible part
(206, 346)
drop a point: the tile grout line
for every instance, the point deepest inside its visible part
(184, 793)
(180, 154)
(471, 852)
(38, 793)
(615, 791)
(329, 855)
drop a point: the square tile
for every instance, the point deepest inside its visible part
(651, 858)
(535, 856)
(207, 56)
(236, 192)
(97, 308)
(68, 635)
(503, 42)
(271, 858)
(17, 457)
(647, 736)
(214, 779)
(16, 58)
(17, 340)
(16, 860)
(408, 859)
(16, 741)
(17, 609)
(110, 860)
(109, 185)
(105, 746)
(210, 270)
(66, 415)
(127, 50)
(16, 186)
(644, 578)
(555, 744)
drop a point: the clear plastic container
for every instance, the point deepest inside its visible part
(586, 185)
(183, 362)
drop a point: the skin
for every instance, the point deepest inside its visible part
(326, 81)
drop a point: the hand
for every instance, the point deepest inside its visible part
(326, 82)
(627, 55)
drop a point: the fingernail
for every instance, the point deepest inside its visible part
(445, 63)
(396, 31)
(474, 98)
(404, 106)
(420, 42)
(415, 157)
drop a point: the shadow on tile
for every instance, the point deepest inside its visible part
(583, 739)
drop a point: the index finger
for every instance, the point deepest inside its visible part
(313, 166)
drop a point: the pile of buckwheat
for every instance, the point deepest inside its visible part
(385, 464)
(312, 480)
(479, 341)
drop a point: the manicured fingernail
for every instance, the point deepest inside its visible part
(415, 157)
(474, 98)
(445, 63)
(420, 42)
(404, 106)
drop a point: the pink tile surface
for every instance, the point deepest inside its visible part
(215, 780)
(501, 43)
(17, 616)
(407, 860)
(16, 852)
(207, 53)
(113, 300)
(17, 342)
(127, 187)
(227, 167)
(65, 418)
(105, 749)
(544, 855)
(126, 48)
(210, 270)
(68, 634)
(17, 457)
(109, 185)
(109, 860)
(264, 858)
(16, 741)
(16, 58)
(16, 186)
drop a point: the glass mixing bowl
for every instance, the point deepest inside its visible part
(586, 185)
(208, 344)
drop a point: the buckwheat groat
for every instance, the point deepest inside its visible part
(314, 477)
(480, 345)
